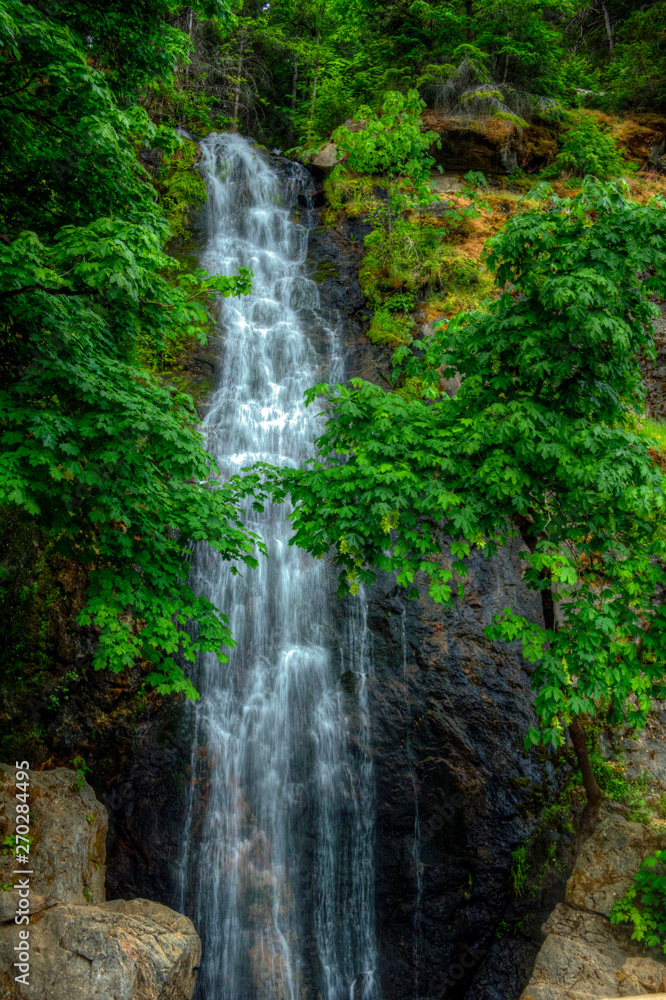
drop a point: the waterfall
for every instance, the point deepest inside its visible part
(278, 869)
(416, 841)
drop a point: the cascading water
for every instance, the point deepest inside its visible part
(282, 877)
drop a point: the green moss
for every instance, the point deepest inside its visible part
(328, 218)
(325, 269)
(410, 388)
(653, 431)
(462, 297)
(352, 193)
(391, 329)
(179, 782)
(181, 189)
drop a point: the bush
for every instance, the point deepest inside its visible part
(588, 148)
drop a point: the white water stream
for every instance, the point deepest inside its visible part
(282, 869)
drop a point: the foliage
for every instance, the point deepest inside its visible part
(106, 459)
(81, 768)
(11, 841)
(519, 869)
(644, 903)
(292, 71)
(467, 92)
(588, 148)
(654, 431)
(538, 440)
(391, 143)
(182, 189)
(635, 77)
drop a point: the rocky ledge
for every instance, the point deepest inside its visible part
(82, 947)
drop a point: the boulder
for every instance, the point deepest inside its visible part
(584, 956)
(327, 157)
(489, 144)
(607, 863)
(122, 950)
(81, 947)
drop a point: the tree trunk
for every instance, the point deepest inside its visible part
(241, 52)
(591, 809)
(469, 10)
(609, 29)
(590, 815)
(314, 95)
(294, 98)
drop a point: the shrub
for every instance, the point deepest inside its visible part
(588, 148)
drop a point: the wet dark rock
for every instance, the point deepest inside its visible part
(455, 788)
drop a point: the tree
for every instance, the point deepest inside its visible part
(102, 456)
(539, 441)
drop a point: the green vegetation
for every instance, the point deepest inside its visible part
(290, 72)
(102, 463)
(98, 451)
(391, 145)
(644, 903)
(518, 869)
(538, 441)
(81, 768)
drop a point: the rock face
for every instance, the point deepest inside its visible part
(450, 711)
(607, 862)
(81, 947)
(490, 145)
(584, 956)
(327, 157)
(454, 787)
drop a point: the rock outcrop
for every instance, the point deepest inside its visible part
(81, 947)
(584, 956)
(489, 144)
(456, 793)
(68, 846)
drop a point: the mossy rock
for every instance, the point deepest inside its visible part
(325, 269)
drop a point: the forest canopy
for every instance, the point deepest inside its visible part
(291, 71)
